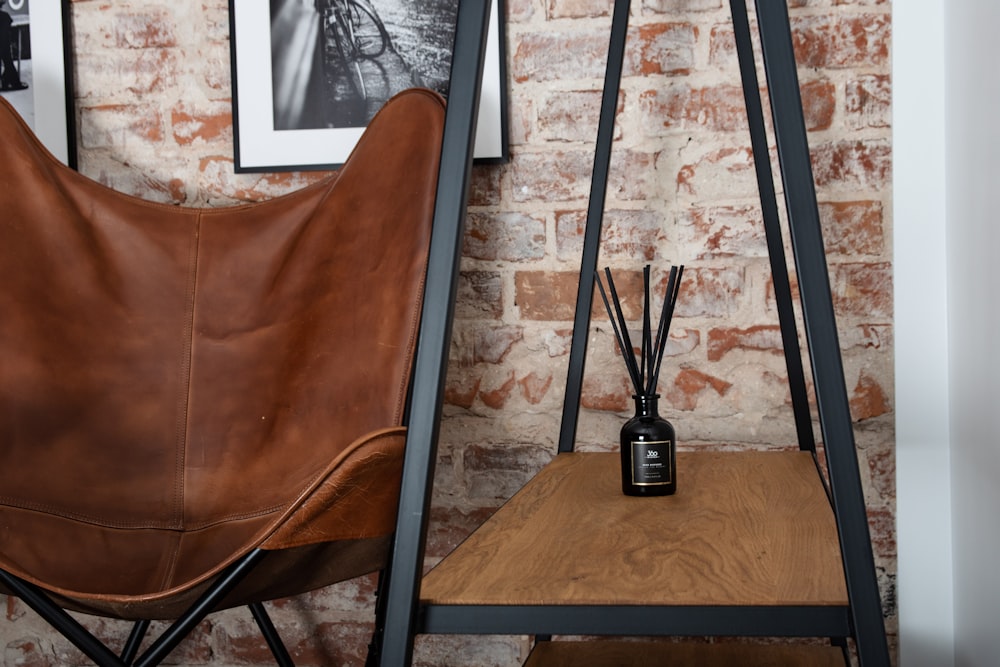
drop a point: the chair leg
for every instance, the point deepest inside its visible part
(68, 626)
(131, 648)
(375, 646)
(271, 635)
(173, 635)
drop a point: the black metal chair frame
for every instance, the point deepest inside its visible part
(431, 357)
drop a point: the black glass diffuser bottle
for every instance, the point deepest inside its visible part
(648, 443)
(648, 451)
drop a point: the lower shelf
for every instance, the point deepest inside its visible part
(644, 654)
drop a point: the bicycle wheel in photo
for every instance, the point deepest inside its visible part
(369, 36)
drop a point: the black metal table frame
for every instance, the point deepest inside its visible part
(862, 618)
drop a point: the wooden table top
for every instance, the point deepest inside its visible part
(744, 528)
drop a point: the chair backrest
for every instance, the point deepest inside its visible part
(171, 371)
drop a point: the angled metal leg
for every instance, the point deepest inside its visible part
(94, 649)
(378, 634)
(131, 648)
(84, 640)
(435, 332)
(592, 230)
(68, 626)
(173, 635)
(271, 636)
(772, 228)
(821, 332)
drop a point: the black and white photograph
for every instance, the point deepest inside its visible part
(35, 73)
(308, 75)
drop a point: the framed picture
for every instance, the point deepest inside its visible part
(37, 72)
(308, 75)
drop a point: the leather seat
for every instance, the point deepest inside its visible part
(181, 386)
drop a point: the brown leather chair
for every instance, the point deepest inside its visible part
(206, 406)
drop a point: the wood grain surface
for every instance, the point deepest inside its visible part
(744, 528)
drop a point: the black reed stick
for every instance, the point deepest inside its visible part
(630, 357)
(666, 315)
(626, 353)
(647, 343)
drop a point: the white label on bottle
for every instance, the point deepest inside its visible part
(651, 463)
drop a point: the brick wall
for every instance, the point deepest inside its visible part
(153, 110)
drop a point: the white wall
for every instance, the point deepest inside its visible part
(973, 187)
(923, 527)
(946, 143)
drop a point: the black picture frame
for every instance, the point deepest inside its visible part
(41, 51)
(301, 99)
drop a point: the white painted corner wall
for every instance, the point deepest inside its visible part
(946, 156)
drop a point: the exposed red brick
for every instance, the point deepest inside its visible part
(147, 186)
(558, 9)
(557, 341)
(511, 236)
(27, 653)
(332, 643)
(479, 295)
(153, 70)
(450, 525)
(868, 399)
(709, 292)
(866, 336)
(819, 103)
(719, 174)
(683, 107)
(633, 174)
(722, 46)
(673, 6)
(494, 472)
(550, 55)
(496, 397)
(190, 125)
(863, 290)
(625, 233)
(552, 176)
(766, 338)
(689, 385)
(138, 29)
(572, 115)
(111, 125)
(519, 11)
(681, 341)
(724, 231)
(881, 461)
(881, 526)
(546, 295)
(842, 41)
(520, 123)
(607, 392)
(661, 48)
(491, 344)
(462, 387)
(484, 186)
(853, 164)
(852, 228)
(721, 108)
(534, 387)
(821, 41)
(868, 101)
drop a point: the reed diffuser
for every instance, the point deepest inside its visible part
(648, 442)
